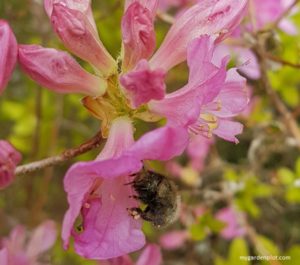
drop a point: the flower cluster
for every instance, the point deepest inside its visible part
(131, 87)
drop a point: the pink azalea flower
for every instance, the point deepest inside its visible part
(73, 22)
(208, 17)
(174, 239)
(9, 158)
(151, 255)
(96, 190)
(211, 98)
(198, 150)
(18, 250)
(231, 218)
(8, 53)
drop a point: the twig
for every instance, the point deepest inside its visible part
(287, 117)
(63, 157)
(281, 61)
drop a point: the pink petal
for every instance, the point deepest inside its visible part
(228, 130)
(9, 158)
(120, 138)
(207, 17)
(109, 231)
(197, 150)
(233, 97)
(249, 62)
(78, 35)
(8, 53)
(142, 84)
(58, 71)
(173, 240)
(151, 5)
(84, 6)
(288, 27)
(81, 177)
(138, 34)
(231, 218)
(151, 255)
(123, 260)
(42, 239)
(160, 144)
(4, 256)
(205, 75)
(182, 107)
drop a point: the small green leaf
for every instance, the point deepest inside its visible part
(238, 250)
(286, 176)
(197, 232)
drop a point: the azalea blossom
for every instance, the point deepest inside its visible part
(8, 53)
(9, 158)
(174, 239)
(211, 98)
(151, 255)
(233, 225)
(21, 249)
(124, 89)
(125, 84)
(97, 191)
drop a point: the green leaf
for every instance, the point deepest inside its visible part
(197, 232)
(238, 249)
(286, 176)
(297, 167)
(293, 255)
(266, 247)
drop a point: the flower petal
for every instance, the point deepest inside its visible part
(84, 6)
(233, 97)
(231, 217)
(58, 71)
(110, 171)
(78, 35)
(208, 17)
(43, 238)
(151, 255)
(142, 84)
(4, 256)
(120, 138)
(138, 34)
(183, 106)
(228, 130)
(160, 144)
(108, 230)
(9, 158)
(174, 239)
(8, 53)
(151, 5)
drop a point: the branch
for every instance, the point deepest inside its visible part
(281, 61)
(286, 115)
(63, 157)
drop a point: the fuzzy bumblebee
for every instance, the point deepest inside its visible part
(159, 194)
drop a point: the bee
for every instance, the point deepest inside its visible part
(160, 196)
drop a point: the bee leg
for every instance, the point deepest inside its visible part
(134, 197)
(129, 183)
